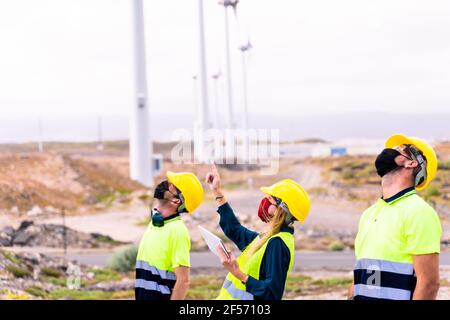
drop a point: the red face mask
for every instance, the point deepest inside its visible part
(263, 210)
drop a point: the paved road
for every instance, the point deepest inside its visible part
(303, 260)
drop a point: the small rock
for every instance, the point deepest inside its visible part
(5, 240)
(35, 211)
(51, 210)
(52, 235)
(90, 200)
(25, 224)
(22, 238)
(9, 231)
(124, 284)
(100, 206)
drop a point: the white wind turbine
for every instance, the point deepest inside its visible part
(141, 149)
(230, 112)
(216, 77)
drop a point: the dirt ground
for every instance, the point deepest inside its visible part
(78, 178)
(88, 185)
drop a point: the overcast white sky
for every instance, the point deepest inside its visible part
(316, 56)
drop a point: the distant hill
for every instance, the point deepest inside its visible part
(37, 183)
(332, 126)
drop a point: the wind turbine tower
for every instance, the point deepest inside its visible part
(230, 114)
(141, 149)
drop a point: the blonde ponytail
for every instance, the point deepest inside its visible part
(275, 225)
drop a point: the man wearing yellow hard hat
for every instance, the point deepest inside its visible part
(398, 242)
(260, 272)
(163, 261)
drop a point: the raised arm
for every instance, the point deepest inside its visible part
(229, 223)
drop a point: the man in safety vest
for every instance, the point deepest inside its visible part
(162, 266)
(398, 242)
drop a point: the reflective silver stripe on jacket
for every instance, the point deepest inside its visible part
(162, 273)
(384, 265)
(382, 292)
(152, 285)
(235, 292)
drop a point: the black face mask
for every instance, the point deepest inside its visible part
(160, 189)
(385, 161)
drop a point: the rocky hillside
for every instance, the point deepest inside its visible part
(39, 183)
(30, 234)
(36, 276)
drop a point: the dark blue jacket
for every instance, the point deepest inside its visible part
(275, 263)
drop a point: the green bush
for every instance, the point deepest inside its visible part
(336, 246)
(51, 272)
(11, 257)
(124, 192)
(204, 287)
(331, 282)
(443, 165)
(367, 172)
(18, 272)
(124, 260)
(56, 281)
(104, 239)
(106, 198)
(64, 293)
(105, 275)
(433, 191)
(36, 291)
(144, 222)
(348, 174)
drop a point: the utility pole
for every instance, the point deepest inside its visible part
(141, 149)
(40, 135)
(64, 232)
(99, 133)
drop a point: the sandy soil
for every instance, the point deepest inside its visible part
(120, 225)
(327, 212)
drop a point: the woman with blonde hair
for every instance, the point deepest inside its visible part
(260, 272)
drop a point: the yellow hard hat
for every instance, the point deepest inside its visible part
(293, 195)
(399, 139)
(189, 186)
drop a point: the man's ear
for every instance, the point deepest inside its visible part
(411, 164)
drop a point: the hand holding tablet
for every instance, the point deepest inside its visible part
(213, 241)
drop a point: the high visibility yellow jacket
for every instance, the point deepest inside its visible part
(161, 250)
(390, 233)
(233, 288)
